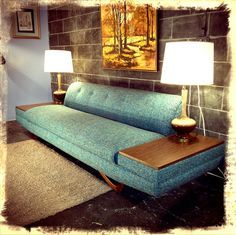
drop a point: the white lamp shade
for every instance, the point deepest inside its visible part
(58, 61)
(188, 63)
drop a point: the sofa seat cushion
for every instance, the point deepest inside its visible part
(98, 135)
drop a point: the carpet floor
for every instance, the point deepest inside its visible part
(40, 183)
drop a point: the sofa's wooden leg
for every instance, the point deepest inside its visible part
(33, 136)
(117, 188)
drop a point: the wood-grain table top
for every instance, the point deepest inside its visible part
(166, 151)
(30, 106)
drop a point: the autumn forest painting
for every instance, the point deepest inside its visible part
(129, 36)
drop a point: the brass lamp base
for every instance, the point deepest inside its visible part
(183, 126)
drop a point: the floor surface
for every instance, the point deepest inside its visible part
(196, 204)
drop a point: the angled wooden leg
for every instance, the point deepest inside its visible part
(117, 188)
(33, 136)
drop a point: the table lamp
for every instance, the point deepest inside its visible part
(58, 61)
(187, 63)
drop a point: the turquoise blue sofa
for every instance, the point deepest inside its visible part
(97, 121)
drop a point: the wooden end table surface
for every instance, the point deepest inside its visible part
(166, 151)
(30, 106)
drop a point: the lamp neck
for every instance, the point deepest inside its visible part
(59, 81)
(184, 101)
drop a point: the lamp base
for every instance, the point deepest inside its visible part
(59, 96)
(183, 126)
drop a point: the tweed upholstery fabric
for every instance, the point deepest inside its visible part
(155, 183)
(98, 121)
(147, 110)
(101, 136)
(112, 170)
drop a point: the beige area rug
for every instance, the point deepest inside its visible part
(40, 183)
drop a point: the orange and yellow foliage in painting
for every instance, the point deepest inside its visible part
(129, 36)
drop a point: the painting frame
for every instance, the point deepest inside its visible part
(26, 23)
(150, 52)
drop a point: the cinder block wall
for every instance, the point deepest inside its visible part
(78, 29)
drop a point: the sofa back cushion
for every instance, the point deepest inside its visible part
(144, 109)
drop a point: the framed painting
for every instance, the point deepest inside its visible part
(26, 23)
(129, 36)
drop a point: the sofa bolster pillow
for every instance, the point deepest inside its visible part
(143, 109)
